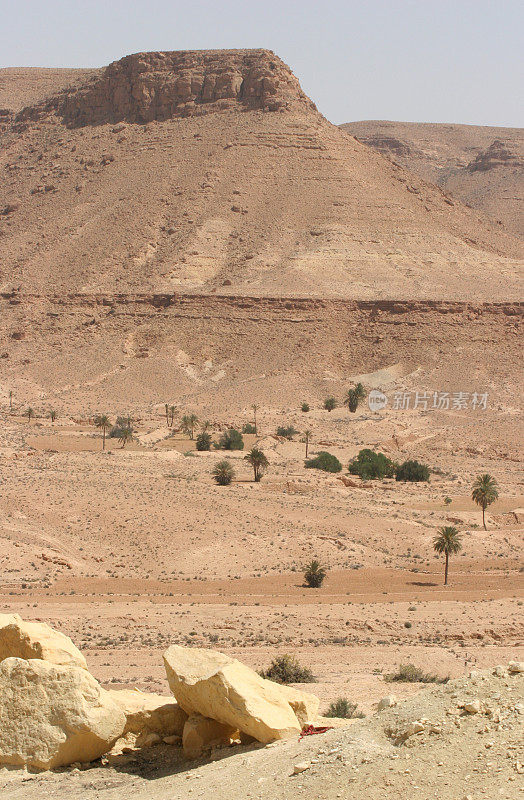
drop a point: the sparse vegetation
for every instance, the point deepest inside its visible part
(485, 492)
(203, 441)
(447, 501)
(324, 461)
(258, 461)
(223, 472)
(314, 574)
(230, 440)
(287, 431)
(124, 435)
(449, 542)
(369, 465)
(344, 709)
(330, 403)
(408, 673)
(354, 397)
(29, 413)
(286, 669)
(304, 407)
(248, 428)
(52, 415)
(412, 471)
(255, 409)
(188, 424)
(306, 440)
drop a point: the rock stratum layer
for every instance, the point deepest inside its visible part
(212, 172)
(482, 167)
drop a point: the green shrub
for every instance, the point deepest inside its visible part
(304, 407)
(223, 472)
(203, 441)
(408, 673)
(248, 428)
(324, 461)
(369, 464)
(230, 440)
(314, 574)
(286, 669)
(412, 471)
(330, 403)
(344, 709)
(287, 431)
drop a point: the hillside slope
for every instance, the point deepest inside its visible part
(481, 166)
(211, 170)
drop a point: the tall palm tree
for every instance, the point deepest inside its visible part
(10, 400)
(29, 414)
(449, 542)
(485, 492)
(189, 422)
(307, 437)
(102, 421)
(166, 406)
(52, 415)
(206, 426)
(258, 461)
(255, 408)
(171, 415)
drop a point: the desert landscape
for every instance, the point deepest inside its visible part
(191, 255)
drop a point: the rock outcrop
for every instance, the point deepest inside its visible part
(149, 713)
(221, 688)
(201, 733)
(158, 86)
(22, 639)
(53, 715)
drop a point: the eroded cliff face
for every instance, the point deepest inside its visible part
(161, 85)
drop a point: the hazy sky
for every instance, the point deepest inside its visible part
(415, 60)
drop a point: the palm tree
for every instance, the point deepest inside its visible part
(307, 437)
(255, 408)
(354, 396)
(125, 435)
(485, 491)
(102, 421)
(223, 472)
(314, 574)
(10, 400)
(258, 461)
(206, 426)
(172, 415)
(52, 415)
(189, 422)
(29, 414)
(448, 541)
(330, 403)
(166, 406)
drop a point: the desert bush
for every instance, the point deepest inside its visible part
(230, 440)
(223, 472)
(408, 673)
(314, 574)
(324, 461)
(286, 669)
(344, 709)
(330, 403)
(412, 471)
(354, 397)
(249, 428)
(203, 441)
(287, 431)
(369, 464)
(304, 407)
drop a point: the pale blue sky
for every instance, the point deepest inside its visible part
(414, 60)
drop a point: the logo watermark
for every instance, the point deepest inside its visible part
(429, 401)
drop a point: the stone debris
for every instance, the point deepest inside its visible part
(149, 713)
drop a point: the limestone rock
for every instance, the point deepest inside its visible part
(515, 667)
(22, 639)
(472, 707)
(149, 713)
(52, 715)
(201, 733)
(219, 687)
(302, 766)
(304, 704)
(387, 702)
